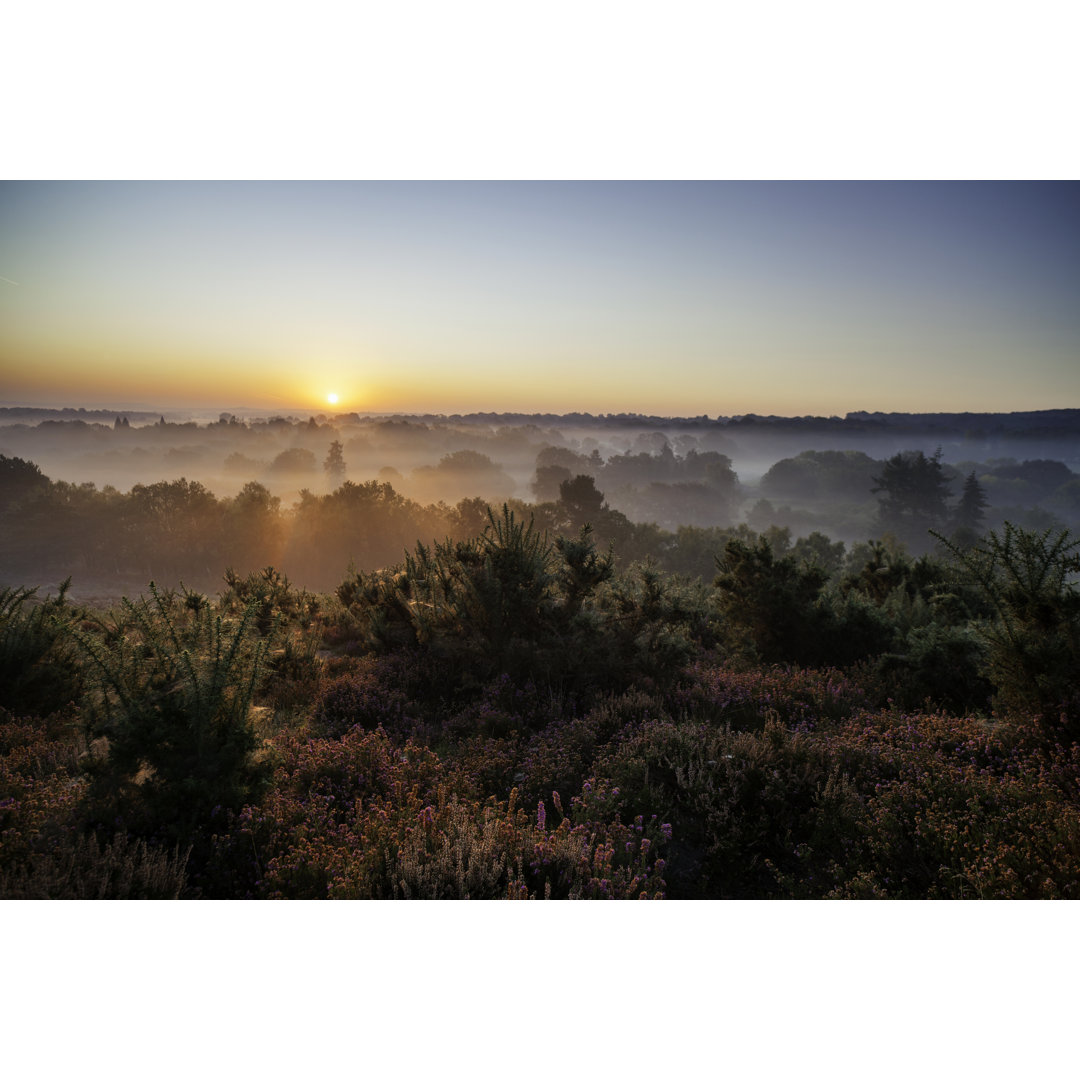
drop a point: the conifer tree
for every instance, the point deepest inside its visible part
(969, 516)
(334, 465)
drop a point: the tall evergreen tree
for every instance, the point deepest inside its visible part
(969, 516)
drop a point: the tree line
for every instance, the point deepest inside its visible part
(179, 530)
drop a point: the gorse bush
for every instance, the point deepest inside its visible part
(769, 605)
(172, 689)
(291, 617)
(933, 663)
(1032, 638)
(43, 853)
(880, 569)
(514, 602)
(487, 594)
(37, 673)
(777, 610)
(648, 625)
(273, 597)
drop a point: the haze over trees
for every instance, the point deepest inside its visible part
(249, 493)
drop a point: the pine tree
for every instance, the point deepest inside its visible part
(171, 687)
(969, 516)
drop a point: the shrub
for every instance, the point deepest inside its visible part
(648, 627)
(37, 669)
(1033, 637)
(461, 851)
(361, 698)
(505, 705)
(44, 855)
(481, 766)
(484, 601)
(172, 695)
(562, 756)
(957, 808)
(274, 599)
(746, 699)
(358, 818)
(78, 867)
(939, 665)
(769, 605)
(294, 672)
(745, 808)
(512, 602)
(40, 785)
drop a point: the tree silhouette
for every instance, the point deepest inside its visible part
(914, 489)
(581, 498)
(334, 465)
(1032, 639)
(18, 479)
(545, 485)
(969, 516)
(295, 460)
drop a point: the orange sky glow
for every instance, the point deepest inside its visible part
(663, 298)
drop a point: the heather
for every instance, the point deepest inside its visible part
(521, 714)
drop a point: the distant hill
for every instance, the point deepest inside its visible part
(1042, 424)
(26, 414)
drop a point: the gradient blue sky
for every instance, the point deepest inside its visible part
(668, 298)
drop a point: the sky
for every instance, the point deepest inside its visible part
(665, 298)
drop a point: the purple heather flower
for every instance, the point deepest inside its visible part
(541, 815)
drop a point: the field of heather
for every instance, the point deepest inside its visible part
(514, 717)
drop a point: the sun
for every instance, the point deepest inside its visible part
(332, 398)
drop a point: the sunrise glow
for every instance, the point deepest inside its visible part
(663, 298)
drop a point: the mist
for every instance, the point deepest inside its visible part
(137, 495)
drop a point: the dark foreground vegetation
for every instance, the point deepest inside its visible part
(509, 713)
